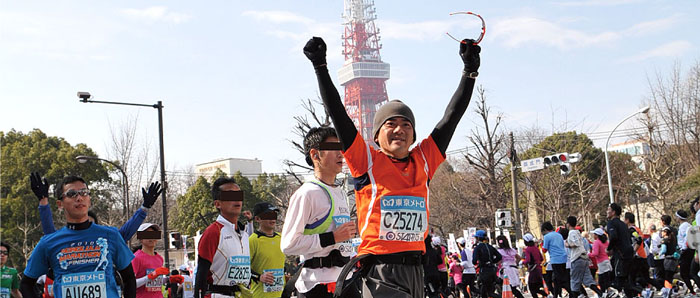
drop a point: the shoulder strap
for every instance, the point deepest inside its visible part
(321, 225)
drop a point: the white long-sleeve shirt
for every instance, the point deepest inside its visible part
(307, 205)
(683, 234)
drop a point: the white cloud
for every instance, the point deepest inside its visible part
(671, 49)
(597, 2)
(48, 35)
(518, 31)
(156, 14)
(515, 32)
(278, 17)
(653, 26)
(420, 31)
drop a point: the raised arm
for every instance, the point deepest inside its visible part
(40, 187)
(442, 134)
(315, 50)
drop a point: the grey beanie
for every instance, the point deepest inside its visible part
(393, 108)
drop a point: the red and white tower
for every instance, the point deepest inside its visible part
(363, 74)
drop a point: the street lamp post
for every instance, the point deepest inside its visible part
(643, 110)
(125, 180)
(85, 98)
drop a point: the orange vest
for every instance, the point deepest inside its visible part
(393, 204)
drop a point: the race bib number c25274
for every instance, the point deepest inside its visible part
(404, 218)
(278, 285)
(238, 270)
(84, 285)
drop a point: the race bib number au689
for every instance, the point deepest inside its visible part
(84, 285)
(278, 285)
(238, 270)
(404, 218)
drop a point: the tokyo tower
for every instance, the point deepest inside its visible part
(363, 73)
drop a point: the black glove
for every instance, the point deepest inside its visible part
(470, 55)
(150, 196)
(40, 186)
(315, 50)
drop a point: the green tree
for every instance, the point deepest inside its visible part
(584, 191)
(195, 209)
(53, 157)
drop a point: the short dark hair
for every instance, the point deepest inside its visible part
(93, 215)
(314, 138)
(547, 226)
(564, 232)
(4, 244)
(530, 243)
(616, 208)
(603, 238)
(666, 219)
(215, 191)
(571, 220)
(629, 216)
(66, 180)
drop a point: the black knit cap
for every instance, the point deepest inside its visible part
(393, 108)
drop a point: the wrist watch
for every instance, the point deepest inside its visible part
(472, 74)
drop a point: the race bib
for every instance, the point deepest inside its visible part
(238, 270)
(404, 218)
(84, 285)
(345, 247)
(154, 285)
(187, 286)
(4, 293)
(278, 285)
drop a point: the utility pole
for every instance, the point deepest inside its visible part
(514, 185)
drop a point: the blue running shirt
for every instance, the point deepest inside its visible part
(82, 261)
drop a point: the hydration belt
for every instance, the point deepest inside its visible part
(224, 290)
(333, 259)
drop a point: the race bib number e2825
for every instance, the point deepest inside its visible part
(84, 285)
(278, 285)
(238, 270)
(403, 218)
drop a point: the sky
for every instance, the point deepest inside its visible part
(232, 75)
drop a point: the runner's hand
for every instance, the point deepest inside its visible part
(315, 50)
(344, 232)
(158, 272)
(267, 278)
(40, 186)
(248, 215)
(176, 279)
(470, 55)
(150, 196)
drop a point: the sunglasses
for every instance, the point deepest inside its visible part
(4, 252)
(74, 193)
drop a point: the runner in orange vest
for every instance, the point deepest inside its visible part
(391, 183)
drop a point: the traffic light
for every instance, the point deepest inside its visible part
(503, 218)
(556, 159)
(175, 240)
(564, 168)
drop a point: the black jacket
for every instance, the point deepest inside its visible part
(485, 255)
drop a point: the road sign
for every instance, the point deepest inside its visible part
(533, 164)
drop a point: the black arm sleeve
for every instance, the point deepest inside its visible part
(331, 100)
(129, 280)
(26, 287)
(200, 283)
(442, 134)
